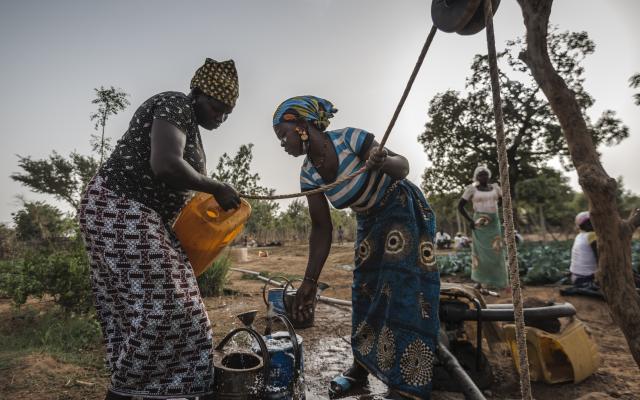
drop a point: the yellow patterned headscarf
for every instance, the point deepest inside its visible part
(218, 80)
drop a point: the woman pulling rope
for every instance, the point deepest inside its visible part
(396, 282)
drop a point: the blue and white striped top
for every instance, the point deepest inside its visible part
(359, 193)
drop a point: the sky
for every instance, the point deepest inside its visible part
(356, 53)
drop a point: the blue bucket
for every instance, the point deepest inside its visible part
(273, 297)
(286, 363)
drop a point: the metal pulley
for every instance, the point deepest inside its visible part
(465, 17)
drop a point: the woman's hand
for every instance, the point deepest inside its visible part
(376, 158)
(303, 305)
(225, 195)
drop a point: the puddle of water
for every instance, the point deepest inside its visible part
(346, 267)
(327, 359)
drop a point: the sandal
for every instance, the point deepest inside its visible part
(343, 384)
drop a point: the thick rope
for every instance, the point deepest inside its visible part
(339, 181)
(507, 210)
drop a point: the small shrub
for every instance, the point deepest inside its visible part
(212, 281)
(61, 274)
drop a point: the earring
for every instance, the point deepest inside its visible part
(303, 134)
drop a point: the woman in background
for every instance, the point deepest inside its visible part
(487, 249)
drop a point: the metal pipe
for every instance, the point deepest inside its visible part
(449, 313)
(494, 306)
(331, 300)
(478, 333)
(328, 300)
(453, 367)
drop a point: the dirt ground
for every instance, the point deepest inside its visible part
(326, 348)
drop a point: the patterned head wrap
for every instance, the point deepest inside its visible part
(218, 80)
(306, 108)
(582, 217)
(480, 168)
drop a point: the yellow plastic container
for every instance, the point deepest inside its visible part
(568, 356)
(204, 229)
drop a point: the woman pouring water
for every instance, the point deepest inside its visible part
(396, 283)
(156, 329)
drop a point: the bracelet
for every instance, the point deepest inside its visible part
(314, 281)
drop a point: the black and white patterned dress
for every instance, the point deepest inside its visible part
(157, 333)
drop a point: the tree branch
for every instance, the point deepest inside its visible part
(634, 220)
(614, 235)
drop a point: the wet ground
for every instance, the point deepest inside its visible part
(326, 345)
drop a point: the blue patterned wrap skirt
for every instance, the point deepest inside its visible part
(395, 292)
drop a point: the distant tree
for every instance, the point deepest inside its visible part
(615, 273)
(7, 241)
(110, 102)
(263, 222)
(64, 178)
(627, 200)
(236, 171)
(346, 219)
(295, 220)
(634, 82)
(460, 132)
(40, 222)
(445, 206)
(547, 197)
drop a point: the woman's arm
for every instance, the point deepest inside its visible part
(319, 247)
(167, 147)
(392, 164)
(461, 208)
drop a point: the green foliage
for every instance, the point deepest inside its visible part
(539, 263)
(546, 198)
(212, 281)
(458, 263)
(263, 219)
(634, 82)
(626, 200)
(460, 132)
(8, 241)
(296, 219)
(68, 337)
(61, 274)
(542, 263)
(236, 171)
(63, 178)
(445, 206)
(41, 222)
(345, 219)
(110, 102)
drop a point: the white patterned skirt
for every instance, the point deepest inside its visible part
(156, 330)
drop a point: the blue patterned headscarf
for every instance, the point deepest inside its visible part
(308, 108)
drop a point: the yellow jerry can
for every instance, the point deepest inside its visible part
(568, 356)
(204, 229)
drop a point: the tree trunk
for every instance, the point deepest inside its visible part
(543, 225)
(614, 234)
(104, 122)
